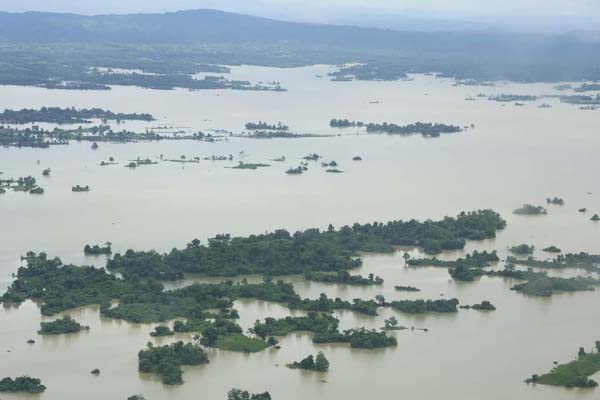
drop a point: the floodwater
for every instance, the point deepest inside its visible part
(514, 155)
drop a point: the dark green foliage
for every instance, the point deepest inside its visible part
(149, 264)
(589, 262)
(483, 306)
(60, 326)
(555, 201)
(260, 125)
(546, 286)
(22, 384)
(358, 338)
(61, 287)
(166, 360)
(313, 322)
(162, 330)
(461, 273)
(96, 250)
(529, 209)
(423, 306)
(325, 304)
(552, 249)
(343, 277)
(424, 128)
(281, 253)
(474, 260)
(72, 115)
(573, 374)
(310, 363)
(237, 394)
(407, 289)
(522, 249)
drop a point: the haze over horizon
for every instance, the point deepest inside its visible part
(534, 15)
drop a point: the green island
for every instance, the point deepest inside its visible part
(57, 115)
(243, 165)
(61, 326)
(162, 331)
(557, 201)
(529, 209)
(485, 305)
(573, 374)
(21, 384)
(552, 249)
(343, 277)
(368, 72)
(264, 126)
(46, 172)
(78, 188)
(238, 394)
(582, 260)
(425, 306)
(319, 363)
(522, 249)
(426, 129)
(595, 218)
(97, 250)
(406, 288)
(391, 324)
(166, 361)
(543, 285)
(504, 98)
(312, 157)
(22, 184)
(463, 269)
(297, 171)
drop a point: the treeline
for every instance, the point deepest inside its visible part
(71, 115)
(166, 361)
(283, 253)
(424, 128)
(23, 384)
(264, 126)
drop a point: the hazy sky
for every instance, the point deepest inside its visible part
(583, 8)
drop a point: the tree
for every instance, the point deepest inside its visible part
(380, 298)
(321, 363)
(406, 257)
(391, 322)
(581, 352)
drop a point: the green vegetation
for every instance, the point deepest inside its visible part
(343, 277)
(582, 260)
(334, 171)
(97, 250)
(522, 249)
(426, 129)
(23, 184)
(483, 306)
(78, 188)
(243, 165)
(509, 98)
(161, 331)
(57, 115)
(23, 384)
(241, 343)
(543, 285)
(263, 126)
(296, 171)
(595, 218)
(136, 397)
(166, 361)
(358, 338)
(391, 324)
(282, 253)
(552, 249)
(407, 288)
(572, 374)
(310, 363)
(557, 201)
(463, 269)
(95, 371)
(425, 306)
(529, 209)
(238, 394)
(61, 326)
(313, 322)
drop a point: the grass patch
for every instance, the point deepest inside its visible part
(239, 342)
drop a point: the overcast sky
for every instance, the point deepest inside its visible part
(584, 8)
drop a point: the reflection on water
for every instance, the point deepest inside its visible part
(513, 156)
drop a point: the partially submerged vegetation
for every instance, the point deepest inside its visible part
(425, 306)
(97, 250)
(21, 384)
(529, 209)
(424, 128)
(573, 374)
(57, 115)
(343, 277)
(319, 363)
(522, 249)
(61, 326)
(166, 361)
